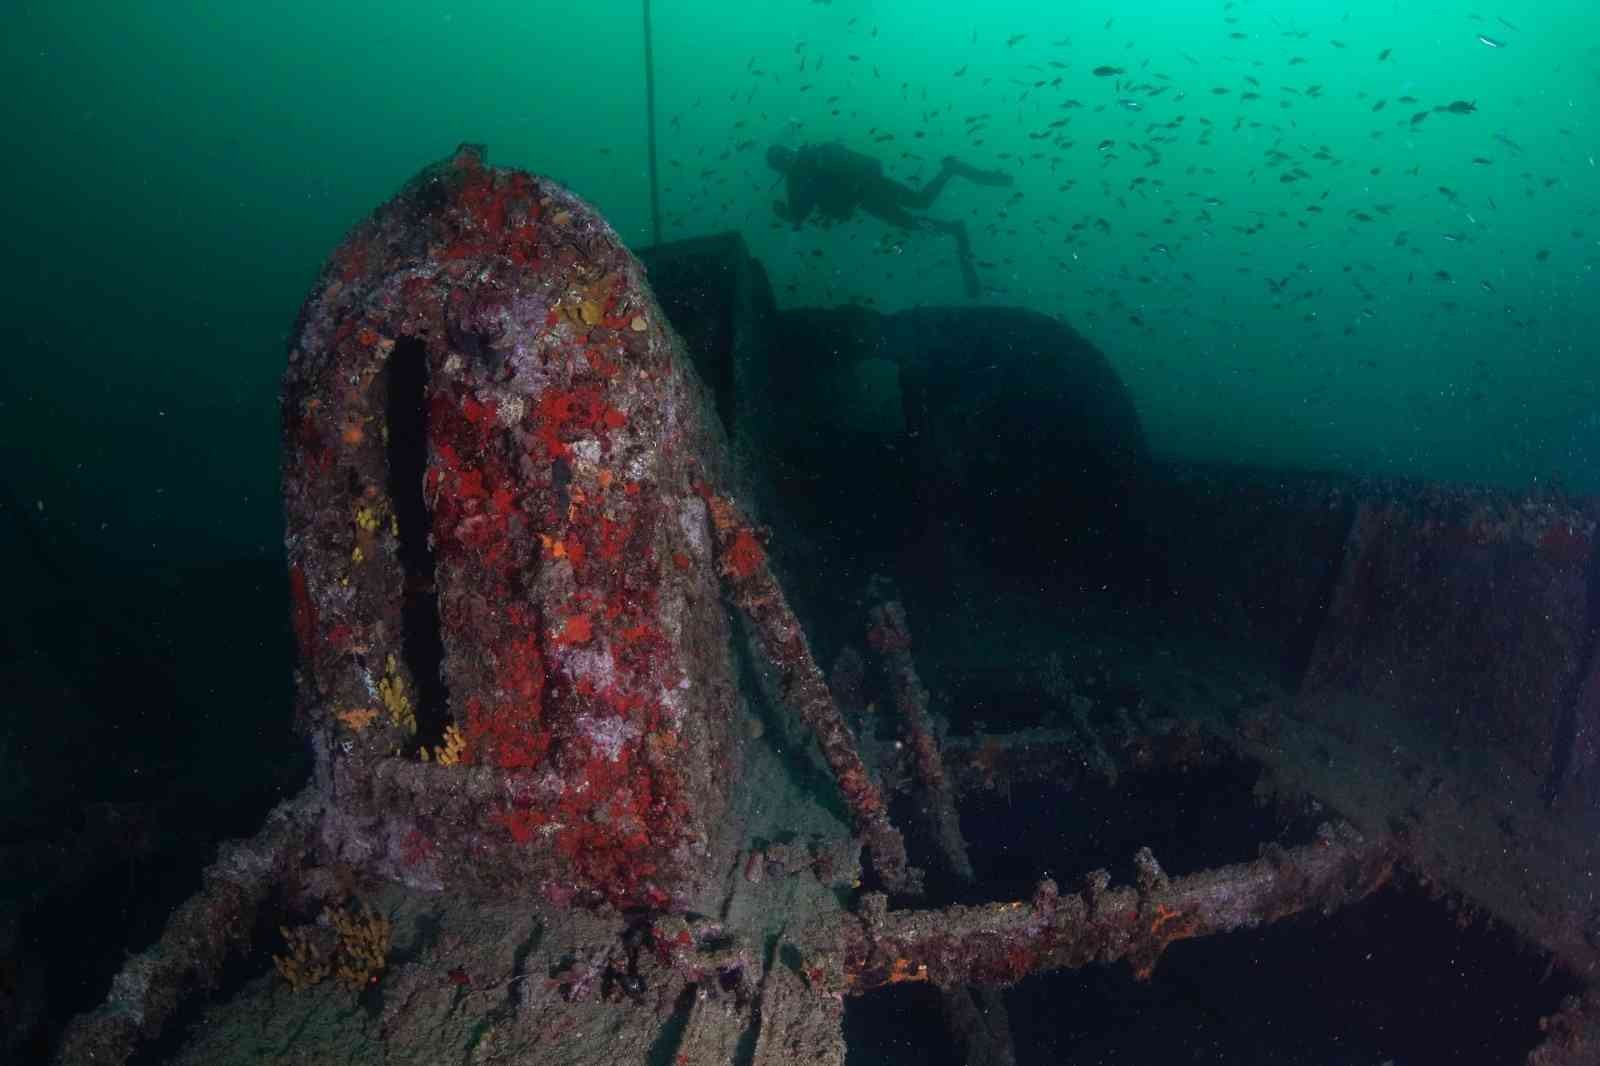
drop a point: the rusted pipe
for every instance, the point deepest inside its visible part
(1001, 943)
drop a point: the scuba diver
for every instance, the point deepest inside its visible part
(833, 180)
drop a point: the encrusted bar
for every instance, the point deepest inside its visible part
(742, 562)
(890, 637)
(1001, 943)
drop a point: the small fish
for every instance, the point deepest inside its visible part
(1459, 107)
(1379, 106)
(1482, 161)
(962, 69)
(1416, 120)
(1015, 39)
(1489, 42)
(1127, 103)
(1108, 72)
(1385, 54)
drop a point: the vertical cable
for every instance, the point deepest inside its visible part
(650, 122)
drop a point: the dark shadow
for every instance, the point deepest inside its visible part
(407, 415)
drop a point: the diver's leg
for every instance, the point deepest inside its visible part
(891, 212)
(952, 165)
(924, 197)
(885, 196)
(896, 215)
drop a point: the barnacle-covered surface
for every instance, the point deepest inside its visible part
(514, 981)
(490, 452)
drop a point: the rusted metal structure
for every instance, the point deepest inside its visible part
(513, 523)
(490, 484)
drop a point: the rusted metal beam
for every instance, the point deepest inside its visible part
(890, 636)
(742, 563)
(1001, 943)
(976, 1018)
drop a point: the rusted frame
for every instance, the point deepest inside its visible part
(889, 635)
(1001, 943)
(977, 1018)
(742, 563)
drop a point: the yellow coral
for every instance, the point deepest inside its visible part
(449, 753)
(306, 964)
(396, 700)
(364, 940)
(354, 955)
(369, 520)
(586, 305)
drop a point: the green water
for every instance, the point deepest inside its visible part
(177, 172)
